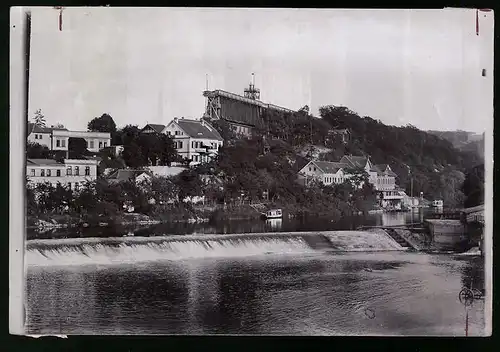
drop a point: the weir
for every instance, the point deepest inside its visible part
(123, 250)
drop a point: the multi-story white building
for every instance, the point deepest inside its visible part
(58, 138)
(195, 140)
(380, 176)
(71, 173)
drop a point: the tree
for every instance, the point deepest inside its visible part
(59, 125)
(189, 184)
(77, 148)
(39, 118)
(104, 123)
(357, 177)
(473, 186)
(37, 151)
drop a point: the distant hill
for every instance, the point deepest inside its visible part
(463, 140)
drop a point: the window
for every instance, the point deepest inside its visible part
(42, 172)
(91, 144)
(36, 136)
(100, 144)
(87, 170)
(192, 145)
(32, 172)
(314, 169)
(69, 185)
(180, 145)
(58, 143)
(48, 172)
(177, 133)
(68, 171)
(105, 144)
(77, 171)
(63, 143)
(309, 168)
(77, 185)
(58, 173)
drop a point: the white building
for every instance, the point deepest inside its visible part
(380, 176)
(58, 138)
(73, 173)
(195, 140)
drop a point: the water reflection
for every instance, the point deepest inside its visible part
(243, 226)
(274, 224)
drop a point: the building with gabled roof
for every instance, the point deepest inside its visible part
(380, 176)
(195, 140)
(153, 128)
(125, 175)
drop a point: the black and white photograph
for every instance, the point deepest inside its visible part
(251, 171)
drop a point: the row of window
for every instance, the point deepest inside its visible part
(61, 143)
(241, 129)
(75, 186)
(200, 158)
(385, 181)
(334, 179)
(177, 133)
(178, 144)
(38, 136)
(69, 172)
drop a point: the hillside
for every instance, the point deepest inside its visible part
(438, 168)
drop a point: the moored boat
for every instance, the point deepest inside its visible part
(273, 214)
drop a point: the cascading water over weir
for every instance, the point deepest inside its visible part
(123, 250)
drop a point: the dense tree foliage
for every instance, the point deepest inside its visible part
(145, 149)
(103, 123)
(37, 151)
(473, 186)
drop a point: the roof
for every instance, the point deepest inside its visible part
(33, 128)
(337, 131)
(126, 174)
(43, 162)
(156, 127)
(384, 169)
(354, 161)
(234, 96)
(330, 167)
(198, 129)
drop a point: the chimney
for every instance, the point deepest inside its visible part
(176, 119)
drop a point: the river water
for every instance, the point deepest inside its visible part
(249, 285)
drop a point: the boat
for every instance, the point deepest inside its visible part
(273, 214)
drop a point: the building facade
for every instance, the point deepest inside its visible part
(58, 138)
(382, 178)
(71, 173)
(195, 140)
(242, 112)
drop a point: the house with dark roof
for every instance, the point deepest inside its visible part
(153, 128)
(344, 135)
(195, 140)
(125, 175)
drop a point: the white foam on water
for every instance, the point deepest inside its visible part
(127, 250)
(353, 241)
(170, 250)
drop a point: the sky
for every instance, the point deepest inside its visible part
(149, 65)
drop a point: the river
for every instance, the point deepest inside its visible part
(278, 286)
